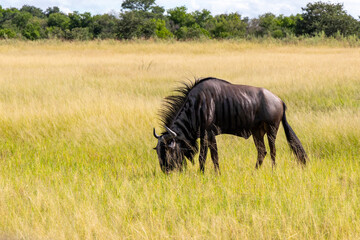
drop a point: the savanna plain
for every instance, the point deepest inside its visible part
(76, 143)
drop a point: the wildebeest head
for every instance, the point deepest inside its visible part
(169, 151)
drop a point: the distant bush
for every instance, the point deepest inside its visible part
(143, 19)
(7, 33)
(277, 34)
(161, 31)
(55, 33)
(78, 34)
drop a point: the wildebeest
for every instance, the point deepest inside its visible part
(209, 107)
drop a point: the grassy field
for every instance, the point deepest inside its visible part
(76, 158)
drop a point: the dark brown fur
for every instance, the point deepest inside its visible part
(210, 107)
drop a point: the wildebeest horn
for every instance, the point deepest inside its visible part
(155, 135)
(172, 133)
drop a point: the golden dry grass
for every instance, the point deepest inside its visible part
(76, 158)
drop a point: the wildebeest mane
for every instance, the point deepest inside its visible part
(173, 104)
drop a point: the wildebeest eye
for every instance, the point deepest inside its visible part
(172, 144)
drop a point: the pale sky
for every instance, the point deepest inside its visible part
(247, 8)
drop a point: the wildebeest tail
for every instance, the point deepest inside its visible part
(293, 140)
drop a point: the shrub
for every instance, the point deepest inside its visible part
(161, 31)
(55, 33)
(7, 33)
(31, 32)
(82, 34)
(277, 34)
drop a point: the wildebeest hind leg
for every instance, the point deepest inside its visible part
(258, 136)
(271, 134)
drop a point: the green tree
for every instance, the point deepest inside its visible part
(7, 33)
(8, 23)
(136, 19)
(267, 24)
(130, 25)
(157, 12)
(59, 20)
(203, 18)
(21, 19)
(75, 20)
(32, 31)
(288, 24)
(86, 19)
(179, 17)
(104, 26)
(78, 20)
(329, 18)
(186, 25)
(34, 11)
(161, 31)
(229, 26)
(138, 5)
(52, 10)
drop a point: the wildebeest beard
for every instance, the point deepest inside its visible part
(169, 154)
(172, 152)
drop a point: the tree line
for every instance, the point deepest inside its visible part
(144, 19)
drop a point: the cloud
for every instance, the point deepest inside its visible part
(250, 8)
(93, 6)
(254, 8)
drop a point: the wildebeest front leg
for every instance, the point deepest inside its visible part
(214, 152)
(260, 146)
(203, 152)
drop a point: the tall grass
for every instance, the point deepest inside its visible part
(76, 158)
